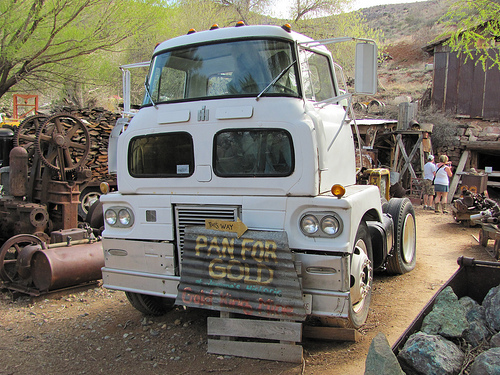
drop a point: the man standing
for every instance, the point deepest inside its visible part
(428, 186)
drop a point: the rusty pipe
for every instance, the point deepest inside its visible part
(60, 267)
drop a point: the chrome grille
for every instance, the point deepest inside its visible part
(186, 215)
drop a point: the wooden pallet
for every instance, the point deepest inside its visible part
(263, 339)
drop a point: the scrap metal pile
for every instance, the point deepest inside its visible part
(478, 206)
(45, 247)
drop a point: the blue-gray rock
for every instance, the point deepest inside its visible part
(487, 363)
(448, 316)
(425, 354)
(468, 303)
(495, 341)
(478, 331)
(380, 359)
(491, 304)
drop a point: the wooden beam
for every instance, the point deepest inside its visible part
(482, 145)
(456, 177)
(264, 329)
(259, 350)
(331, 333)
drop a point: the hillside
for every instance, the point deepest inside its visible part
(406, 71)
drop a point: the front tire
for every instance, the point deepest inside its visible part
(361, 277)
(150, 305)
(404, 254)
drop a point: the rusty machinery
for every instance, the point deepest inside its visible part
(44, 248)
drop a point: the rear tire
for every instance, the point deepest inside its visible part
(404, 253)
(361, 278)
(150, 305)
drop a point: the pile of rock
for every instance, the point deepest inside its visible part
(457, 336)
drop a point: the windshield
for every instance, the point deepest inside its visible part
(243, 68)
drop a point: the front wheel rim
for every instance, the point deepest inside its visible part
(361, 276)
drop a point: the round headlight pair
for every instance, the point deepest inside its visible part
(118, 217)
(318, 225)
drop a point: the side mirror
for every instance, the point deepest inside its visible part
(365, 75)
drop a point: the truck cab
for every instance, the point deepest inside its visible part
(249, 125)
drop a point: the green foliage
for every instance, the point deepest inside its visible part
(46, 43)
(475, 28)
(304, 9)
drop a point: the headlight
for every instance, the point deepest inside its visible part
(330, 225)
(124, 217)
(309, 224)
(119, 217)
(321, 224)
(110, 217)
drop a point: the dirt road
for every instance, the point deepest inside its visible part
(98, 331)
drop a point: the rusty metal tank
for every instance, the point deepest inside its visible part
(59, 267)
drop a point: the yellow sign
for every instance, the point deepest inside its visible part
(226, 226)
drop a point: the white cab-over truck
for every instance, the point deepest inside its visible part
(237, 183)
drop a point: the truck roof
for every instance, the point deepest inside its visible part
(229, 33)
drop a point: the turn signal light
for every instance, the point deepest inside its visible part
(104, 187)
(338, 191)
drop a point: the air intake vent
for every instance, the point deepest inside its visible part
(196, 215)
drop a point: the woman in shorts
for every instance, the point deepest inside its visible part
(442, 183)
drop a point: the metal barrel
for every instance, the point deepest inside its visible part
(60, 267)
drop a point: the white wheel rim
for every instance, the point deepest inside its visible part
(408, 238)
(361, 273)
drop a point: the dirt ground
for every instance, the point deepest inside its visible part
(98, 331)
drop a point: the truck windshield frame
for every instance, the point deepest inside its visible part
(241, 68)
(253, 153)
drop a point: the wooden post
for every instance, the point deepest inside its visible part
(456, 176)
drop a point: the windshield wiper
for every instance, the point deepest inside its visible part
(276, 79)
(146, 86)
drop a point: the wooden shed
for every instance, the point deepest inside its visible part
(463, 88)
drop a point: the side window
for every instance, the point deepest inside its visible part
(318, 80)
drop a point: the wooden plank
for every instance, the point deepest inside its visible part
(451, 97)
(438, 82)
(407, 158)
(456, 177)
(264, 329)
(331, 333)
(491, 109)
(482, 145)
(269, 351)
(465, 79)
(477, 100)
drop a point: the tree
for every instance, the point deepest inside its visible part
(475, 29)
(42, 42)
(301, 8)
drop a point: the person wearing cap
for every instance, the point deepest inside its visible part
(441, 183)
(427, 186)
